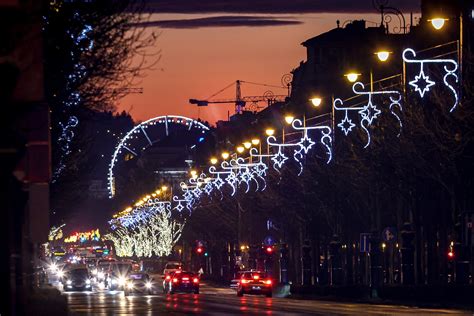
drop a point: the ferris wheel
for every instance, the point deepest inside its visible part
(148, 133)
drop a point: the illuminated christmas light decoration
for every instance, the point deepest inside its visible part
(422, 82)
(369, 112)
(279, 158)
(140, 129)
(306, 143)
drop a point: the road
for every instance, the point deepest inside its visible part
(221, 301)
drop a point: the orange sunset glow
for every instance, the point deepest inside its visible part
(197, 62)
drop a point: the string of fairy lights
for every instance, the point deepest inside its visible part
(148, 227)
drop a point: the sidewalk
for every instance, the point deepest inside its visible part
(46, 300)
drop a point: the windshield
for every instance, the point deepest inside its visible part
(173, 266)
(79, 273)
(123, 268)
(254, 275)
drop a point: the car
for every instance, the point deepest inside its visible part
(138, 282)
(181, 281)
(234, 283)
(117, 275)
(171, 267)
(255, 282)
(77, 279)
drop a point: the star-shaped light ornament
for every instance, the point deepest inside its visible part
(279, 159)
(422, 83)
(179, 207)
(346, 125)
(306, 143)
(208, 188)
(218, 182)
(370, 112)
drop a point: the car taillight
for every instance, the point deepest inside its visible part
(244, 281)
(269, 282)
(168, 277)
(185, 279)
(196, 280)
(256, 277)
(175, 280)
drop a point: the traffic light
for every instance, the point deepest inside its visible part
(451, 254)
(199, 250)
(269, 250)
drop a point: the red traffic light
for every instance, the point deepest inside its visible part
(199, 250)
(269, 249)
(451, 254)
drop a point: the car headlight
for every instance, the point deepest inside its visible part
(121, 281)
(148, 285)
(88, 281)
(100, 275)
(68, 282)
(60, 273)
(130, 285)
(94, 272)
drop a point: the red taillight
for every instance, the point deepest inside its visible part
(185, 279)
(175, 280)
(168, 277)
(269, 282)
(244, 281)
(196, 280)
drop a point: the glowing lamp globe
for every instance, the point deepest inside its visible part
(352, 76)
(255, 141)
(438, 23)
(240, 149)
(383, 55)
(213, 161)
(247, 145)
(269, 131)
(289, 119)
(225, 155)
(316, 101)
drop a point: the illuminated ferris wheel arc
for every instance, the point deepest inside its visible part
(141, 129)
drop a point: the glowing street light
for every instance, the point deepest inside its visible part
(438, 23)
(289, 119)
(269, 131)
(240, 149)
(193, 172)
(225, 155)
(352, 76)
(316, 101)
(383, 55)
(164, 188)
(255, 141)
(213, 161)
(247, 145)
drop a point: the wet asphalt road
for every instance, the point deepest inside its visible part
(222, 301)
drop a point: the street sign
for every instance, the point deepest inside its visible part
(389, 234)
(364, 242)
(268, 241)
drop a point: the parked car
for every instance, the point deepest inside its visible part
(181, 281)
(77, 279)
(255, 282)
(138, 282)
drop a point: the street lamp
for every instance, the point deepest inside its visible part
(213, 161)
(164, 188)
(269, 131)
(247, 145)
(352, 76)
(316, 101)
(225, 155)
(289, 119)
(383, 55)
(438, 23)
(240, 149)
(255, 141)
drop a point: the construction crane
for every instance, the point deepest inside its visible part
(240, 101)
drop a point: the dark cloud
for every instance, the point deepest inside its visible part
(276, 6)
(220, 21)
